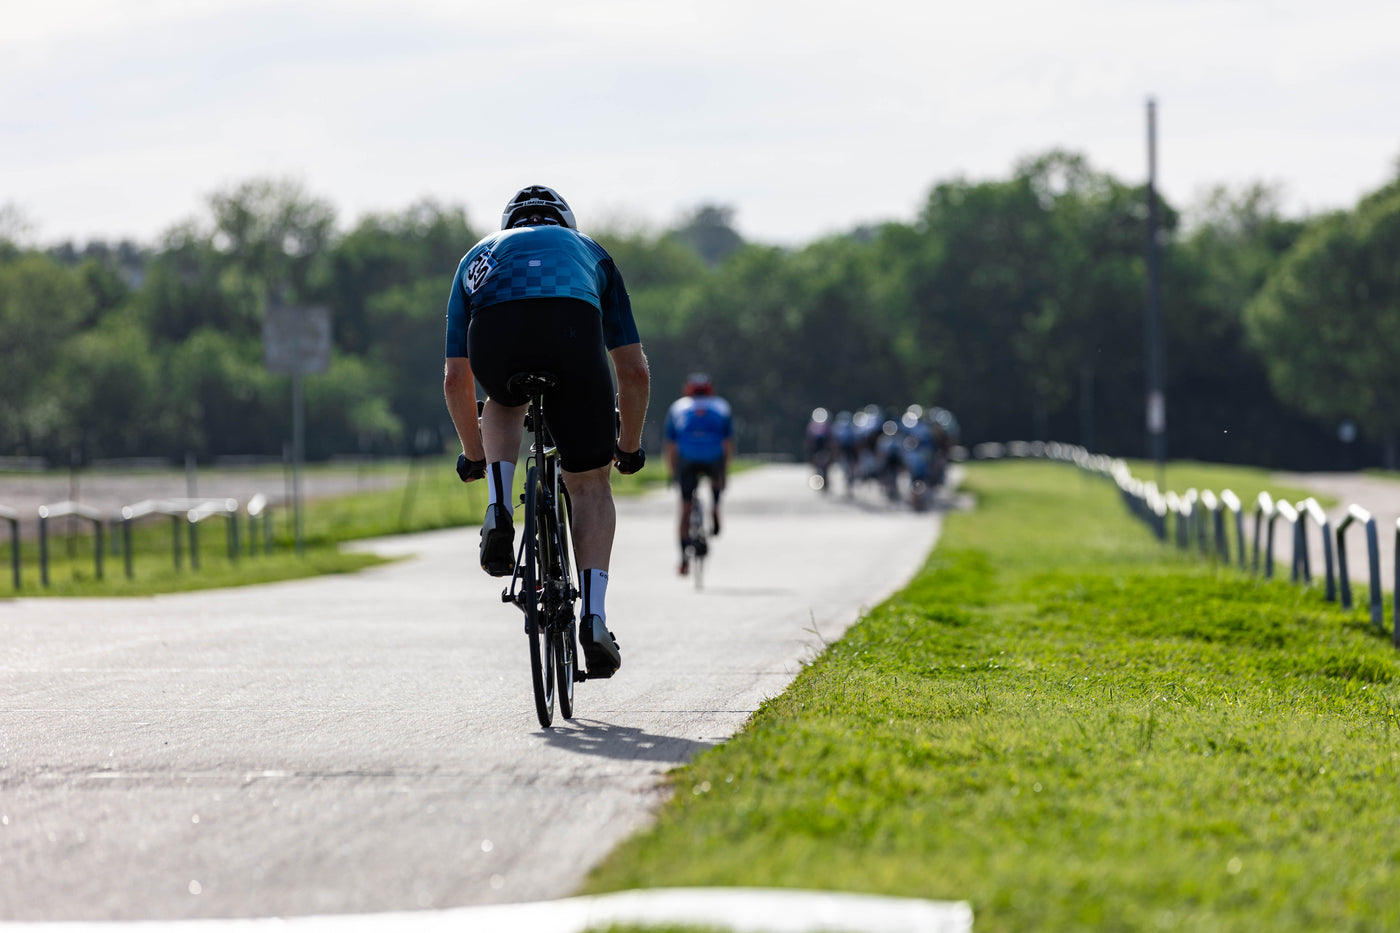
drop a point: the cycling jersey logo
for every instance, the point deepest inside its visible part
(480, 269)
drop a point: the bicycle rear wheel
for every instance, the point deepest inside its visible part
(699, 543)
(537, 626)
(559, 582)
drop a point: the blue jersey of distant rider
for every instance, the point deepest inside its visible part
(538, 262)
(699, 426)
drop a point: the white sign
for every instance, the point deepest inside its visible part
(297, 340)
(1156, 412)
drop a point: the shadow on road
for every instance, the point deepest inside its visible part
(592, 737)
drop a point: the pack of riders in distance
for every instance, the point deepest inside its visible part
(904, 453)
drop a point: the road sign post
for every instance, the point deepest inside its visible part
(297, 341)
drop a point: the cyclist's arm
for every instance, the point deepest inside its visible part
(728, 450)
(459, 388)
(633, 391)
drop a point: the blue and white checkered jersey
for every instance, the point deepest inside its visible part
(539, 262)
(699, 426)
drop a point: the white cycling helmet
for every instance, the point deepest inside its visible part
(537, 199)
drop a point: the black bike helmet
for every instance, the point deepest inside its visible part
(537, 199)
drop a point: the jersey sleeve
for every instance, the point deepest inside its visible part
(458, 316)
(619, 329)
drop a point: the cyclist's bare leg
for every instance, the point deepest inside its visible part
(501, 430)
(687, 506)
(595, 520)
(595, 516)
(716, 487)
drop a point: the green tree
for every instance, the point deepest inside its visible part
(42, 305)
(109, 386)
(1328, 319)
(709, 231)
(390, 251)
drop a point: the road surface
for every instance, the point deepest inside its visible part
(367, 742)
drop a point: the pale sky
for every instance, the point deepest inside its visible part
(118, 118)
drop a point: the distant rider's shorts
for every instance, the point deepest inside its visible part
(563, 337)
(688, 473)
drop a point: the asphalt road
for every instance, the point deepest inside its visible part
(368, 743)
(1380, 497)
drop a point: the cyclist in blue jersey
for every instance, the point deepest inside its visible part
(699, 442)
(540, 296)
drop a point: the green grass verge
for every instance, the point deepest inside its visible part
(427, 496)
(1073, 728)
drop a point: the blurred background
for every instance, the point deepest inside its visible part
(819, 205)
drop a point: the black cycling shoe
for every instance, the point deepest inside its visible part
(498, 542)
(599, 647)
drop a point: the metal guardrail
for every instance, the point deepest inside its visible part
(11, 516)
(185, 517)
(1232, 502)
(1312, 510)
(63, 510)
(259, 511)
(1357, 515)
(1264, 516)
(184, 514)
(1193, 510)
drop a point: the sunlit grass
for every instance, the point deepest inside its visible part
(1072, 727)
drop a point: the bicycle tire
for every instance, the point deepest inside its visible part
(566, 642)
(536, 625)
(700, 545)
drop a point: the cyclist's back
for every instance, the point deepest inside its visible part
(539, 296)
(699, 426)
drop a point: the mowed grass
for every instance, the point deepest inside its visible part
(426, 496)
(1071, 727)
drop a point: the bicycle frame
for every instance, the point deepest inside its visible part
(699, 545)
(543, 585)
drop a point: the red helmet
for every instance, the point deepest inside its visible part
(699, 384)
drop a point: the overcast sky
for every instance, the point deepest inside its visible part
(119, 117)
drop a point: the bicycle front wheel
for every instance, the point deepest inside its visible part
(565, 644)
(537, 626)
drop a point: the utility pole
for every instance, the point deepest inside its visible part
(1156, 395)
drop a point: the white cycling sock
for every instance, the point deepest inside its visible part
(595, 591)
(501, 476)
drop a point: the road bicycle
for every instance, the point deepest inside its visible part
(544, 586)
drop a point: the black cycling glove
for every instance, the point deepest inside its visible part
(629, 462)
(469, 470)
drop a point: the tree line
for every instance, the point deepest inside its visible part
(1016, 303)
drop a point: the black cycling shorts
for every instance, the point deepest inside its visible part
(564, 337)
(688, 473)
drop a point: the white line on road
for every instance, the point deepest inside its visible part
(744, 910)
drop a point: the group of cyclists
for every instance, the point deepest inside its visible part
(538, 296)
(904, 453)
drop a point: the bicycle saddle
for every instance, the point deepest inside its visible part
(532, 384)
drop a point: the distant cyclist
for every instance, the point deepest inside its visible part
(540, 296)
(699, 442)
